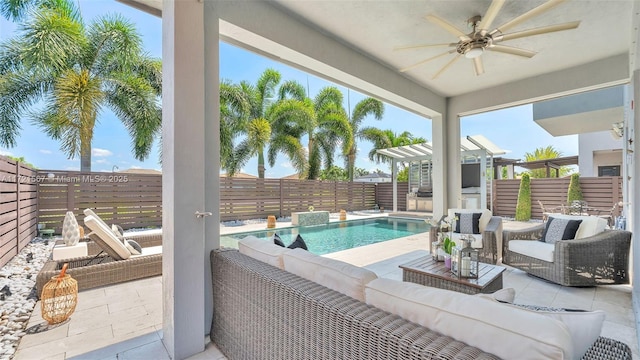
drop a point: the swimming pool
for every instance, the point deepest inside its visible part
(336, 236)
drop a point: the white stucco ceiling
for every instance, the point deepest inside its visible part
(375, 27)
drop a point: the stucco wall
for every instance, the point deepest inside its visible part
(598, 142)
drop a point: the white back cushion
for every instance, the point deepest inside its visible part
(487, 325)
(109, 238)
(334, 274)
(262, 250)
(484, 218)
(591, 225)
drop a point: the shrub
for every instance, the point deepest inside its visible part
(523, 207)
(574, 192)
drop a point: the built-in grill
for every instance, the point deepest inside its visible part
(424, 191)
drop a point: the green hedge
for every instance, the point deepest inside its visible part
(523, 207)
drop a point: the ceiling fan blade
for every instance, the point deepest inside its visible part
(447, 26)
(490, 15)
(444, 68)
(421, 46)
(529, 14)
(512, 50)
(538, 31)
(426, 61)
(477, 65)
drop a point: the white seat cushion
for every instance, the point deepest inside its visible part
(151, 250)
(100, 229)
(262, 250)
(334, 274)
(591, 225)
(535, 249)
(509, 333)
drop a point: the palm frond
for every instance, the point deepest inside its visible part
(114, 45)
(292, 148)
(266, 87)
(292, 89)
(364, 108)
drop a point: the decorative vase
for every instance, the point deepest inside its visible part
(447, 261)
(70, 231)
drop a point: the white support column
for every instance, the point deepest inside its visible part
(483, 181)
(439, 166)
(633, 208)
(394, 178)
(454, 178)
(183, 182)
(211, 149)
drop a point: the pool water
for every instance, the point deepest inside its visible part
(336, 236)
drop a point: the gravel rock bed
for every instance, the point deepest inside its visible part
(17, 292)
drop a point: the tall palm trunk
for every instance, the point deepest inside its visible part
(352, 163)
(261, 163)
(85, 156)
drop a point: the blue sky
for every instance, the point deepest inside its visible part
(112, 145)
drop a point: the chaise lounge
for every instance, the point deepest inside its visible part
(107, 264)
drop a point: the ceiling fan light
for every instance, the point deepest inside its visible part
(473, 52)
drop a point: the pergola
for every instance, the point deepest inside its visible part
(352, 43)
(549, 164)
(475, 148)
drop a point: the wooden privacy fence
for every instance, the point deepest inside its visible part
(384, 195)
(129, 200)
(18, 207)
(598, 192)
(257, 198)
(135, 200)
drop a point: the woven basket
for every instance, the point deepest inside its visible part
(59, 297)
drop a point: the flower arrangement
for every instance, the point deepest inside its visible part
(311, 207)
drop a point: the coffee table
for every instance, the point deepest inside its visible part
(425, 271)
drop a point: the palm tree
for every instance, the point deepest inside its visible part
(363, 108)
(61, 72)
(322, 120)
(234, 112)
(544, 153)
(257, 127)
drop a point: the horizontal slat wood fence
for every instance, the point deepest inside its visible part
(129, 200)
(18, 207)
(384, 195)
(135, 200)
(598, 192)
(258, 198)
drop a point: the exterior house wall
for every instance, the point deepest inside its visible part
(594, 149)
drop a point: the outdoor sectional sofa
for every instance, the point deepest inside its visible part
(594, 257)
(262, 311)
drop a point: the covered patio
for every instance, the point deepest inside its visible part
(353, 45)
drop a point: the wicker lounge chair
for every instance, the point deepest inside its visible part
(601, 259)
(103, 266)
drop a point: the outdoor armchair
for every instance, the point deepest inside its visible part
(599, 259)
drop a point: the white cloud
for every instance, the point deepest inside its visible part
(136, 167)
(72, 168)
(6, 153)
(100, 152)
(287, 165)
(101, 161)
(366, 160)
(44, 151)
(123, 162)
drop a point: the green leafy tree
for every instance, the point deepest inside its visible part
(360, 171)
(544, 153)
(575, 191)
(334, 173)
(523, 206)
(257, 127)
(234, 112)
(364, 108)
(61, 72)
(387, 139)
(403, 174)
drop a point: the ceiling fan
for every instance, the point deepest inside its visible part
(481, 39)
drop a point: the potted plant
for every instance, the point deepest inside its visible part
(447, 246)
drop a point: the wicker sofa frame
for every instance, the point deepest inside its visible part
(602, 259)
(98, 269)
(490, 240)
(263, 312)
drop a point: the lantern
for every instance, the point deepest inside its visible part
(464, 261)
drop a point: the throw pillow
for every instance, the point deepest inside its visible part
(506, 295)
(584, 326)
(468, 223)
(559, 229)
(298, 243)
(277, 240)
(133, 247)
